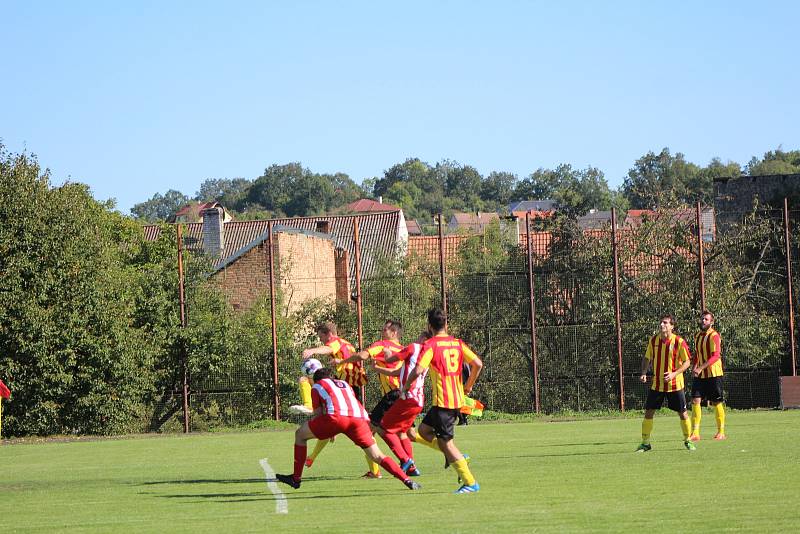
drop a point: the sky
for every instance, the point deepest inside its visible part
(137, 98)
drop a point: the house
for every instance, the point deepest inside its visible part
(635, 218)
(596, 220)
(413, 228)
(191, 213)
(366, 205)
(315, 256)
(470, 223)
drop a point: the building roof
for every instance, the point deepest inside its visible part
(366, 205)
(535, 205)
(194, 212)
(595, 220)
(380, 235)
(413, 227)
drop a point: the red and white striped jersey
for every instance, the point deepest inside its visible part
(410, 355)
(337, 398)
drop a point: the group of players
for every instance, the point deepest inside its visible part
(334, 407)
(668, 355)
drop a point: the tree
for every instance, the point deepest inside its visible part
(497, 188)
(230, 192)
(160, 207)
(574, 191)
(775, 162)
(660, 180)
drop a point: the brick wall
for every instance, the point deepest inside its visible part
(304, 269)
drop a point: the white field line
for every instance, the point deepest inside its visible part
(281, 504)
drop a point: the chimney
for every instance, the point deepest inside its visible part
(323, 227)
(213, 231)
(380, 199)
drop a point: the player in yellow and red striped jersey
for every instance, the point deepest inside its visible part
(444, 355)
(352, 372)
(669, 356)
(707, 371)
(390, 385)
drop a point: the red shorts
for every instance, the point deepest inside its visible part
(327, 426)
(400, 417)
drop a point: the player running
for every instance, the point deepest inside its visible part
(338, 411)
(394, 425)
(445, 355)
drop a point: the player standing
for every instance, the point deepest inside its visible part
(338, 411)
(707, 371)
(669, 356)
(444, 355)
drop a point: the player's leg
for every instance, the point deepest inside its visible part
(304, 385)
(301, 437)
(697, 412)
(425, 433)
(676, 400)
(718, 401)
(321, 444)
(360, 433)
(654, 401)
(445, 424)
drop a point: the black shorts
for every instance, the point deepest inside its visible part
(708, 388)
(442, 420)
(384, 404)
(676, 400)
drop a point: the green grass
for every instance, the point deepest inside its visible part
(535, 476)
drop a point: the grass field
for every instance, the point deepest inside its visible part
(535, 477)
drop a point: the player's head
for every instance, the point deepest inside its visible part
(392, 329)
(326, 330)
(424, 336)
(706, 320)
(437, 320)
(667, 324)
(321, 374)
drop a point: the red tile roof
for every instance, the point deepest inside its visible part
(366, 205)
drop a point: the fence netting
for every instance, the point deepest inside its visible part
(580, 363)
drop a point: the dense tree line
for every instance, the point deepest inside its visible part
(421, 189)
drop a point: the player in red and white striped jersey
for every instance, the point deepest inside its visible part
(399, 418)
(338, 411)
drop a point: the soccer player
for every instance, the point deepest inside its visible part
(707, 371)
(669, 356)
(338, 411)
(399, 418)
(444, 355)
(337, 349)
(390, 385)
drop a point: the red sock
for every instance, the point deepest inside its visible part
(406, 443)
(300, 453)
(396, 445)
(391, 466)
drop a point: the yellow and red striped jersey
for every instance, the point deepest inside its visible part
(375, 350)
(445, 356)
(666, 356)
(351, 372)
(708, 347)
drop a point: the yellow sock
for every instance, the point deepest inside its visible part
(321, 443)
(305, 392)
(697, 414)
(686, 427)
(719, 408)
(432, 444)
(374, 468)
(463, 471)
(647, 429)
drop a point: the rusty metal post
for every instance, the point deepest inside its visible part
(442, 277)
(359, 309)
(617, 308)
(700, 260)
(789, 292)
(532, 303)
(182, 301)
(276, 412)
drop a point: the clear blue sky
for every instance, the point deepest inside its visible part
(136, 98)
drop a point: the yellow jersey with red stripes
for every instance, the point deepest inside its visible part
(445, 356)
(667, 355)
(351, 372)
(708, 348)
(375, 350)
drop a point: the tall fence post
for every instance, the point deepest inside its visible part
(700, 259)
(532, 302)
(789, 292)
(359, 317)
(182, 304)
(276, 412)
(442, 277)
(617, 308)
